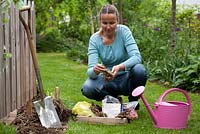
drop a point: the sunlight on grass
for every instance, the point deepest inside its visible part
(57, 70)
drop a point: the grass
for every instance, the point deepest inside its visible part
(4, 129)
(57, 70)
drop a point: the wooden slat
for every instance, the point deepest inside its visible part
(8, 61)
(2, 78)
(1, 62)
(18, 59)
(22, 63)
(27, 61)
(33, 75)
(12, 49)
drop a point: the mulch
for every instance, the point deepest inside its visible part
(30, 124)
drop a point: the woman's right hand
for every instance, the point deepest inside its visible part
(98, 68)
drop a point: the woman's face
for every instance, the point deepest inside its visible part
(108, 23)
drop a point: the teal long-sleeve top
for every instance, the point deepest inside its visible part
(123, 50)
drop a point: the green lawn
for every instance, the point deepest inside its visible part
(57, 70)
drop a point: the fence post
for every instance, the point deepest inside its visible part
(13, 61)
(18, 60)
(7, 63)
(1, 65)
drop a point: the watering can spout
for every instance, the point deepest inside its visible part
(149, 109)
(139, 92)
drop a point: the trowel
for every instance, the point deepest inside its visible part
(44, 107)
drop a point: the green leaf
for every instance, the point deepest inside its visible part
(7, 55)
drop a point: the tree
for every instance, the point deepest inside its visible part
(120, 11)
(173, 24)
(91, 17)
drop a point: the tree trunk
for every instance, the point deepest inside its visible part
(91, 17)
(120, 11)
(173, 24)
(97, 19)
(113, 3)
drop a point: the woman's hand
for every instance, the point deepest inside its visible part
(116, 69)
(98, 68)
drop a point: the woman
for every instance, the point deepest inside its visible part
(114, 46)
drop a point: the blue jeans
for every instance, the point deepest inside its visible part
(123, 84)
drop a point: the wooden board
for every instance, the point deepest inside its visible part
(9, 118)
(102, 120)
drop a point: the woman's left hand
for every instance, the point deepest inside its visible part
(116, 69)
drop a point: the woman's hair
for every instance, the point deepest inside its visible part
(109, 9)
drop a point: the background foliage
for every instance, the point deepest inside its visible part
(148, 20)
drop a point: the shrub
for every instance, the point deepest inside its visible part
(77, 51)
(188, 77)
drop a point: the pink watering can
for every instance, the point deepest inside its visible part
(170, 114)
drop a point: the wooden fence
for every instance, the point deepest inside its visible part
(17, 75)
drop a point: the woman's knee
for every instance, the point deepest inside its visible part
(139, 70)
(92, 91)
(87, 90)
(139, 75)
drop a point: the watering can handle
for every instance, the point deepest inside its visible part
(178, 90)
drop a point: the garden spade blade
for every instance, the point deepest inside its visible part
(47, 114)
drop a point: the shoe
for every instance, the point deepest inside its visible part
(132, 114)
(137, 107)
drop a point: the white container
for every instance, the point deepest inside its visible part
(111, 109)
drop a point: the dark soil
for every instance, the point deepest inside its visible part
(97, 110)
(30, 123)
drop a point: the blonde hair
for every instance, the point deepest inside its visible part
(109, 9)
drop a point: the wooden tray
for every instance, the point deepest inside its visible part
(102, 120)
